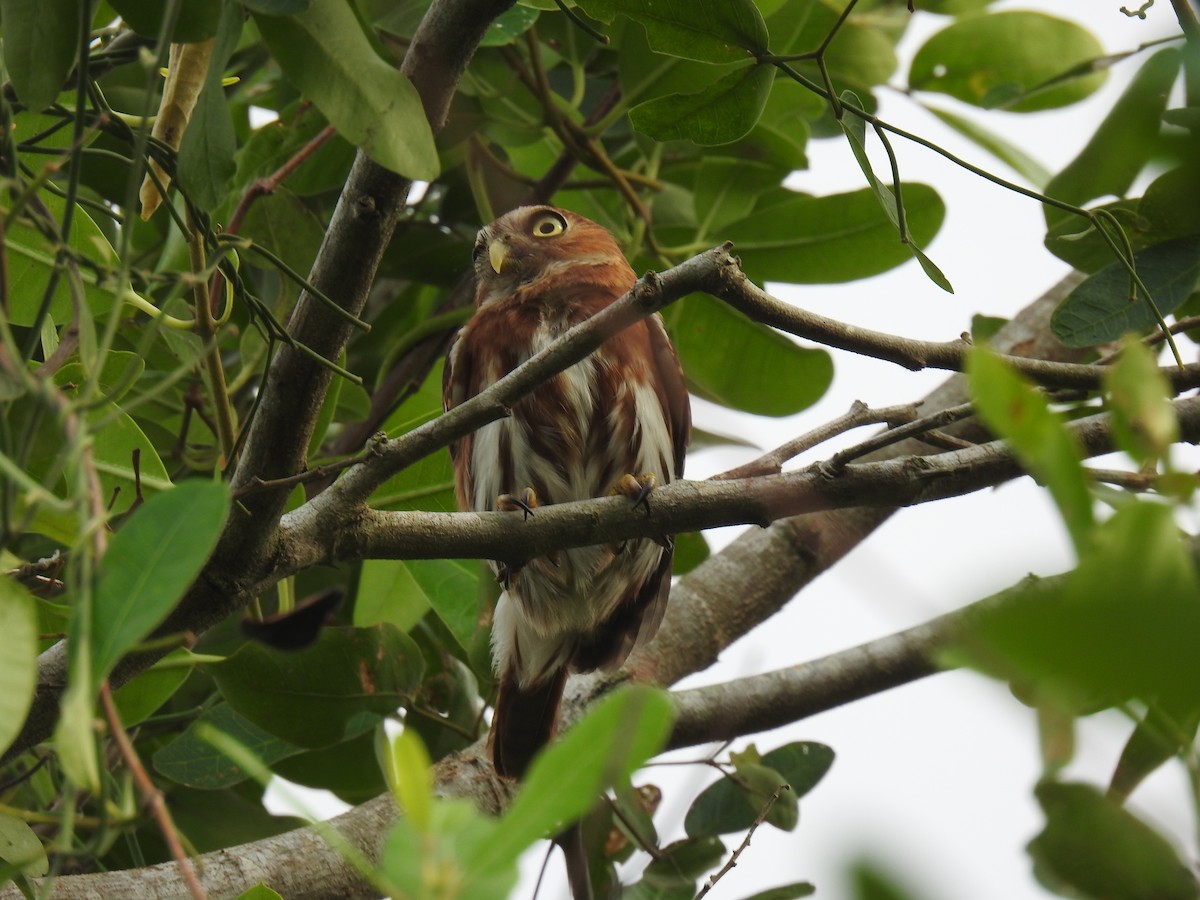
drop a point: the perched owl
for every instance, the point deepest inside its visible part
(620, 419)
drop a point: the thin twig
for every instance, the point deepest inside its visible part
(327, 470)
(859, 414)
(733, 858)
(151, 795)
(915, 428)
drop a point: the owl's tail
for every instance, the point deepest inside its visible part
(525, 720)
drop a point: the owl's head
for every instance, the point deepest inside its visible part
(536, 250)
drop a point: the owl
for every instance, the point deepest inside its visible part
(619, 420)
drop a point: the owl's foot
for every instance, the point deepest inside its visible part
(506, 575)
(637, 488)
(526, 501)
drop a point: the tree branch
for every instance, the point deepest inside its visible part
(678, 507)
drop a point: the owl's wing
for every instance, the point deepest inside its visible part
(456, 384)
(672, 389)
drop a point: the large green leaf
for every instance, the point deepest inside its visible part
(138, 699)
(1013, 410)
(31, 260)
(18, 658)
(1133, 599)
(325, 53)
(387, 592)
(735, 801)
(1119, 149)
(1006, 59)
(841, 237)
(862, 54)
(149, 564)
(313, 697)
(739, 363)
(715, 31)
(1143, 418)
(192, 761)
(195, 21)
(40, 44)
(1092, 847)
(722, 113)
(1101, 309)
(206, 150)
(1166, 211)
(21, 847)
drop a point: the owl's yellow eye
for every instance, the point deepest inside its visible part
(549, 224)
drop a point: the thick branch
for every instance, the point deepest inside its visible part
(679, 507)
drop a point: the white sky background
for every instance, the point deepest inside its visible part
(933, 781)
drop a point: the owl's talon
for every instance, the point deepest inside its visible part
(506, 575)
(526, 501)
(637, 488)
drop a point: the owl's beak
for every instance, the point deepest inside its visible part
(498, 254)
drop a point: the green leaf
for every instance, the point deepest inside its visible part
(325, 53)
(786, 892)
(509, 26)
(206, 150)
(739, 363)
(149, 564)
(140, 698)
(1010, 154)
(75, 734)
(194, 762)
(18, 658)
(31, 260)
(841, 237)
(855, 130)
(679, 864)
(260, 891)
(1100, 309)
(196, 20)
(1123, 143)
(387, 592)
(872, 883)
(733, 803)
(802, 763)
(1144, 421)
(1133, 598)
(277, 7)
(453, 850)
(406, 767)
(691, 549)
(114, 448)
(1095, 847)
(722, 113)
(450, 587)
(1158, 737)
(313, 697)
(714, 31)
(1166, 211)
(20, 846)
(40, 44)
(1003, 59)
(616, 736)
(1012, 409)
